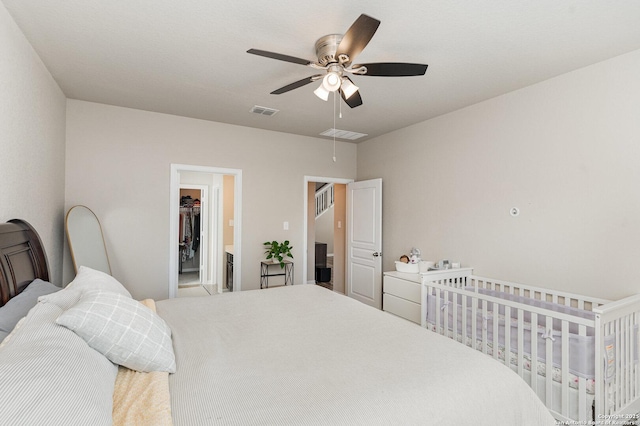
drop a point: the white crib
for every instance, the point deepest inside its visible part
(583, 359)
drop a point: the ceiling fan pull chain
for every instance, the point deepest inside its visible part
(334, 125)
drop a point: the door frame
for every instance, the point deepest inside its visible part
(305, 241)
(174, 211)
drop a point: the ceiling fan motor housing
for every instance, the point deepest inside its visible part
(326, 48)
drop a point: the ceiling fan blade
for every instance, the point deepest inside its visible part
(393, 69)
(356, 38)
(296, 84)
(353, 101)
(279, 56)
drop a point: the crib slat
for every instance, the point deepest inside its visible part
(438, 312)
(521, 332)
(565, 368)
(455, 314)
(636, 338)
(534, 352)
(582, 387)
(444, 314)
(465, 312)
(599, 367)
(610, 405)
(484, 326)
(623, 351)
(549, 362)
(425, 290)
(496, 331)
(474, 322)
(627, 359)
(582, 401)
(520, 343)
(629, 375)
(507, 336)
(618, 351)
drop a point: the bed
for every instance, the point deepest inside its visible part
(579, 354)
(290, 355)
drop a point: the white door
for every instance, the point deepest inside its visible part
(364, 241)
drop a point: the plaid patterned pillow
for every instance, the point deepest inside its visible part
(122, 329)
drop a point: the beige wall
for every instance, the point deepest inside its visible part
(32, 141)
(565, 151)
(118, 164)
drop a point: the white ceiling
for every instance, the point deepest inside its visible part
(189, 57)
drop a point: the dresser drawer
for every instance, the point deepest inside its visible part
(404, 289)
(401, 307)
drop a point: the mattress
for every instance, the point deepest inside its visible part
(306, 355)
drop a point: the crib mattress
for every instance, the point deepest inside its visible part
(556, 372)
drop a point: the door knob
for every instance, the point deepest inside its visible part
(376, 254)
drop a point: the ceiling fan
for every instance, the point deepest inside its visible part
(335, 54)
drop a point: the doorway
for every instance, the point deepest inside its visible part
(194, 261)
(325, 224)
(223, 190)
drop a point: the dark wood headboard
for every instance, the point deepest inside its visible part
(22, 258)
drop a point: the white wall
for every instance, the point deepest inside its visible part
(32, 141)
(118, 164)
(565, 151)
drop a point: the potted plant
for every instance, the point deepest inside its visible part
(278, 251)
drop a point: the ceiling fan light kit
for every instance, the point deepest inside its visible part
(322, 93)
(348, 88)
(331, 81)
(335, 54)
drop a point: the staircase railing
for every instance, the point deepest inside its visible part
(324, 199)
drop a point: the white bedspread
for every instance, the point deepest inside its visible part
(305, 355)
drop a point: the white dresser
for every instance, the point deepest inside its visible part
(401, 293)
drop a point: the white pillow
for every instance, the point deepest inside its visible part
(90, 279)
(86, 279)
(122, 329)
